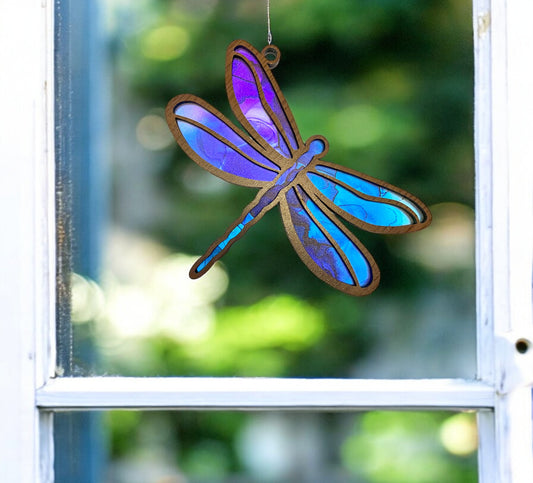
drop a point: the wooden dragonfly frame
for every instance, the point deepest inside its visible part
(301, 180)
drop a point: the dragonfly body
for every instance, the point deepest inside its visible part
(272, 156)
(265, 200)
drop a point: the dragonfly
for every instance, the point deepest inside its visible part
(271, 155)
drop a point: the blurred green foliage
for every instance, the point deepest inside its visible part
(389, 83)
(379, 447)
(414, 452)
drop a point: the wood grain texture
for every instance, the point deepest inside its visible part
(251, 70)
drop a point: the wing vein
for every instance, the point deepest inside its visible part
(227, 143)
(266, 106)
(331, 240)
(364, 196)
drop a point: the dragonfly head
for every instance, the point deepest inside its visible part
(317, 145)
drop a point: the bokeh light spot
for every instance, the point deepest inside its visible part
(458, 434)
(153, 133)
(357, 126)
(154, 296)
(165, 43)
(87, 299)
(448, 243)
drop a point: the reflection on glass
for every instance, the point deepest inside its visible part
(390, 87)
(281, 447)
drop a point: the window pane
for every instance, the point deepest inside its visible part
(389, 85)
(391, 447)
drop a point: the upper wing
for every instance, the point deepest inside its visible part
(216, 144)
(367, 202)
(257, 101)
(328, 249)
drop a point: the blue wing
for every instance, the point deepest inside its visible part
(367, 202)
(328, 249)
(258, 102)
(216, 144)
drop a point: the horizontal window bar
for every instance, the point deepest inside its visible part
(90, 393)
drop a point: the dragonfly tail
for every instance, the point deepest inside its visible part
(218, 249)
(264, 201)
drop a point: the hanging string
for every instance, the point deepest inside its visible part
(269, 34)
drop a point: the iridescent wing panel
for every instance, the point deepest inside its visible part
(258, 102)
(367, 202)
(216, 144)
(328, 249)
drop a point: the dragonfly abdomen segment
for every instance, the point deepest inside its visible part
(264, 201)
(220, 247)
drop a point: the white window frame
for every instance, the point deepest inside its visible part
(501, 395)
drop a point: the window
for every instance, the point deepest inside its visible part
(501, 395)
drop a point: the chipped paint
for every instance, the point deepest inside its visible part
(483, 24)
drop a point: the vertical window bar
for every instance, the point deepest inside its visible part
(26, 258)
(504, 107)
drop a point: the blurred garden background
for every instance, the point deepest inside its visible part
(389, 83)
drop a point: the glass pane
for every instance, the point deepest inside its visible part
(389, 85)
(374, 447)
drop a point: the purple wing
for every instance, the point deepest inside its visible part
(257, 101)
(216, 144)
(367, 202)
(328, 249)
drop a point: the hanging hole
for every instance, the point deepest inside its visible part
(272, 55)
(522, 345)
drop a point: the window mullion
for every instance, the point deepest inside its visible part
(27, 214)
(504, 107)
(263, 393)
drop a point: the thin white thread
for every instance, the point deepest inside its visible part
(269, 34)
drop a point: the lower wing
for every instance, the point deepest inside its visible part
(367, 202)
(328, 249)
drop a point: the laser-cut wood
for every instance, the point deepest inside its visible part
(272, 156)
